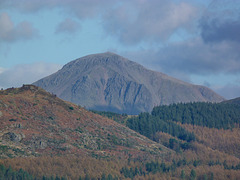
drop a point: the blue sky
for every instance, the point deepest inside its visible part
(197, 41)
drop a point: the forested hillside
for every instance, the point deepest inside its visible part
(205, 132)
(213, 115)
(168, 119)
(148, 125)
(205, 137)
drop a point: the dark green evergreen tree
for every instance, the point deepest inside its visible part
(182, 175)
(193, 174)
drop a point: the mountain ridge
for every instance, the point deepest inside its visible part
(110, 82)
(233, 101)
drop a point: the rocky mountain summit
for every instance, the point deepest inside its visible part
(109, 82)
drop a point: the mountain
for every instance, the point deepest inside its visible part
(34, 122)
(235, 101)
(109, 82)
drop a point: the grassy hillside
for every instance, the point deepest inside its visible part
(35, 123)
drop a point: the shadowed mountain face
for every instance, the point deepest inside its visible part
(110, 82)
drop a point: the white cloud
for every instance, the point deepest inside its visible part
(1, 70)
(137, 21)
(68, 26)
(129, 21)
(10, 32)
(80, 8)
(26, 74)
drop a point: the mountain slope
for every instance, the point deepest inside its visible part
(112, 83)
(235, 101)
(34, 122)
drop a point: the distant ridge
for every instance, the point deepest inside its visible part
(110, 82)
(233, 101)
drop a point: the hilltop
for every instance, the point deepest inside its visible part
(34, 122)
(109, 82)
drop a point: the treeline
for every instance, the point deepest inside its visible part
(138, 170)
(120, 118)
(147, 125)
(10, 174)
(155, 167)
(212, 115)
(103, 177)
(132, 172)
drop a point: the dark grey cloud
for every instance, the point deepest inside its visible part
(9, 32)
(195, 57)
(26, 74)
(221, 21)
(68, 26)
(217, 31)
(191, 57)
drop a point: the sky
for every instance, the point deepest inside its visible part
(197, 41)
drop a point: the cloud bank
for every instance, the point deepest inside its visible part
(229, 91)
(11, 33)
(137, 21)
(221, 22)
(26, 74)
